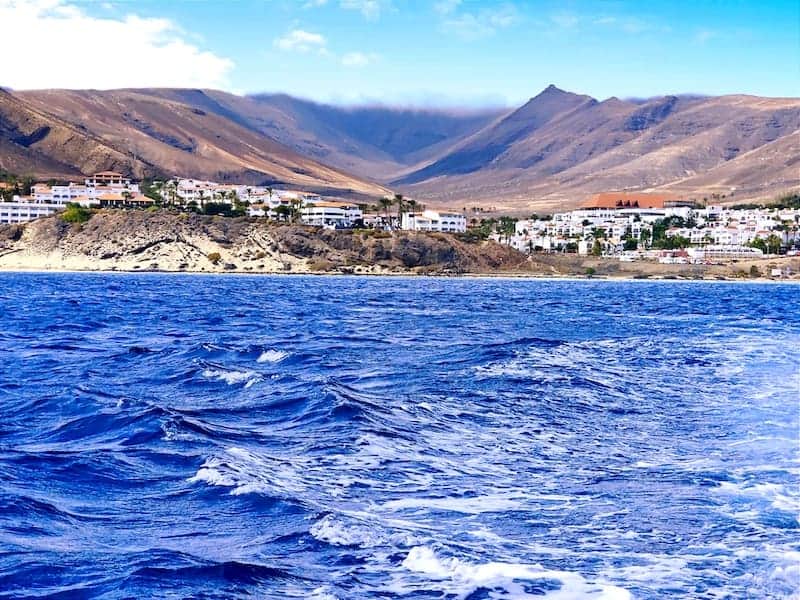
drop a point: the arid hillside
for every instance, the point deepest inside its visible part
(551, 153)
(561, 147)
(60, 132)
(167, 241)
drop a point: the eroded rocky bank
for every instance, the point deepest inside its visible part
(166, 241)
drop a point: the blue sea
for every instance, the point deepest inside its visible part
(332, 438)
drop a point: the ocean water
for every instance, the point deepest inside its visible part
(335, 438)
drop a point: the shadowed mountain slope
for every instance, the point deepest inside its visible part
(552, 152)
(137, 133)
(560, 147)
(376, 141)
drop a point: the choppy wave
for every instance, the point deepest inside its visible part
(337, 438)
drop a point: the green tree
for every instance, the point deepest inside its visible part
(760, 244)
(507, 226)
(75, 213)
(773, 244)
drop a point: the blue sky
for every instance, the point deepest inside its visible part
(412, 52)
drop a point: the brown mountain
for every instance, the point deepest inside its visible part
(378, 142)
(64, 133)
(560, 147)
(550, 153)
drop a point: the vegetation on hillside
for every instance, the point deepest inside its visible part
(788, 201)
(75, 213)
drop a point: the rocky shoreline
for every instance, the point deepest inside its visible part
(162, 241)
(115, 240)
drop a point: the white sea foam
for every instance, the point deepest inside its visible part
(476, 505)
(272, 356)
(335, 531)
(233, 377)
(322, 593)
(780, 496)
(247, 472)
(658, 569)
(473, 506)
(462, 578)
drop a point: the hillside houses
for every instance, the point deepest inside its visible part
(624, 224)
(104, 189)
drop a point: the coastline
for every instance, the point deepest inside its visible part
(512, 276)
(144, 242)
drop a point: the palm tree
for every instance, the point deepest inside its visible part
(385, 203)
(773, 244)
(401, 204)
(296, 205)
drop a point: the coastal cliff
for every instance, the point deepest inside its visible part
(167, 241)
(115, 240)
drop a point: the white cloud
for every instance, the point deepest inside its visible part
(628, 24)
(473, 26)
(565, 20)
(704, 35)
(55, 44)
(315, 3)
(371, 9)
(358, 59)
(302, 41)
(446, 7)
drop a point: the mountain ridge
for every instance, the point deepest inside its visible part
(554, 150)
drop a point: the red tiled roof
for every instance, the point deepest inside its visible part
(628, 200)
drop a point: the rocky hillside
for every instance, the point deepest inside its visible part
(550, 153)
(561, 146)
(164, 241)
(378, 142)
(66, 133)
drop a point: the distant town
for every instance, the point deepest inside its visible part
(112, 190)
(627, 226)
(635, 226)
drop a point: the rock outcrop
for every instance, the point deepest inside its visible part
(171, 241)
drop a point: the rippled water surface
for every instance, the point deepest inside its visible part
(302, 437)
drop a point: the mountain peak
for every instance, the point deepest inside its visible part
(552, 93)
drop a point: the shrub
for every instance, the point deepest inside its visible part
(321, 264)
(214, 257)
(590, 271)
(75, 213)
(755, 272)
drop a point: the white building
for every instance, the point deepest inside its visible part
(88, 193)
(331, 214)
(723, 252)
(431, 220)
(22, 211)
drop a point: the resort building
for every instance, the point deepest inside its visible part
(331, 214)
(124, 200)
(108, 179)
(622, 221)
(22, 210)
(86, 194)
(431, 220)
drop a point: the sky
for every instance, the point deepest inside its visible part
(466, 53)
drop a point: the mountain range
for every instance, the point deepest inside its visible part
(552, 152)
